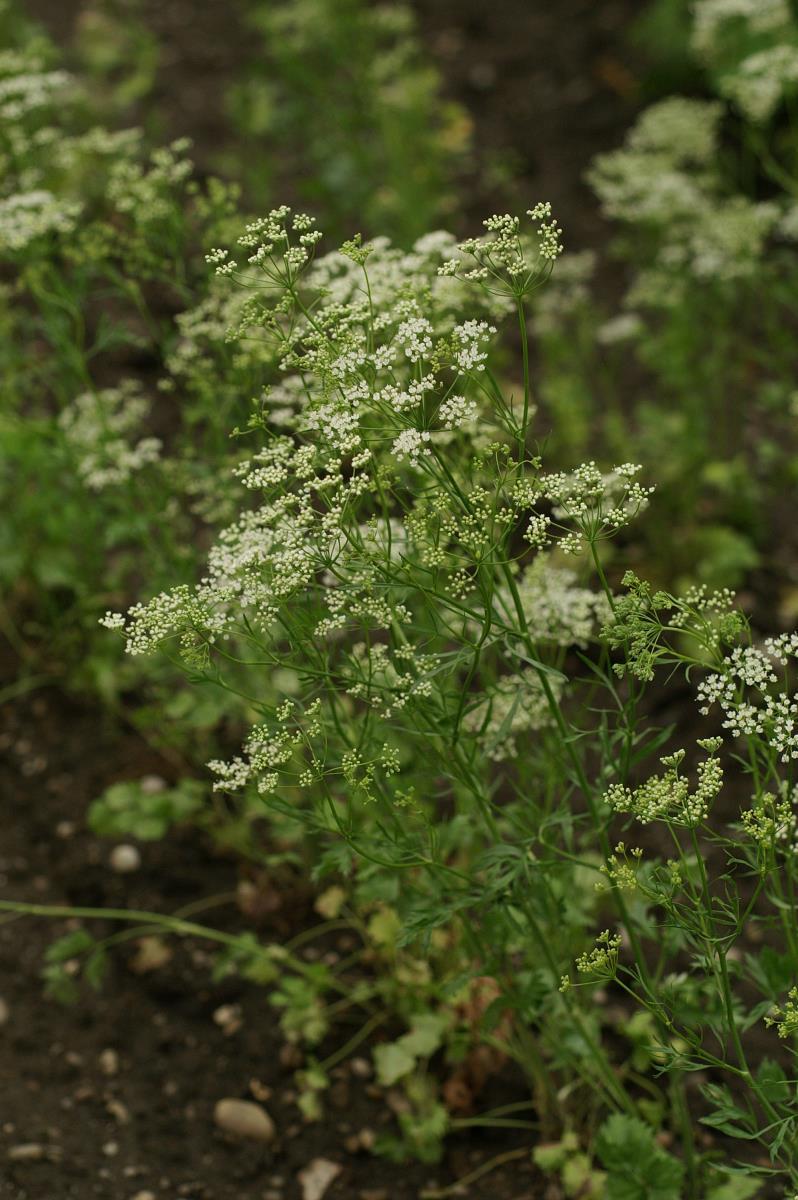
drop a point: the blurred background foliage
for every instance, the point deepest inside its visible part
(394, 120)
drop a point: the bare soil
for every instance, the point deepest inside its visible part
(147, 1125)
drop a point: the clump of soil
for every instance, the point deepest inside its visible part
(116, 1096)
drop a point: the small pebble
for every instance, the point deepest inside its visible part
(34, 766)
(317, 1176)
(124, 859)
(27, 1152)
(5, 1012)
(364, 1140)
(118, 1111)
(228, 1018)
(151, 954)
(109, 1061)
(260, 1091)
(244, 1119)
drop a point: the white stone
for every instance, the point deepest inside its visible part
(109, 1061)
(244, 1119)
(125, 858)
(317, 1176)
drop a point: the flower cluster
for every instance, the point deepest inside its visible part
(387, 682)
(100, 426)
(668, 796)
(29, 97)
(191, 613)
(516, 705)
(625, 327)
(752, 48)
(25, 87)
(666, 180)
(598, 503)
(145, 191)
(785, 1019)
(27, 216)
(504, 258)
(652, 627)
(455, 411)
(665, 166)
(601, 962)
(268, 749)
(754, 698)
(470, 341)
(621, 867)
(558, 611)
(280, 245)
(711, 17)
(772, 824)
(762, 80)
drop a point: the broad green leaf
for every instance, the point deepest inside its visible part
(392, 1061)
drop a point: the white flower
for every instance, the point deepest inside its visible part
(100, 428)
(30, 215)
(759, 82)
(753, 698)
(112, 620)
(710, 16)
(557, 609)
(415, 338)
(622, 328)
(470, 338)
(456, 411)
(410, 444)
(516, 705)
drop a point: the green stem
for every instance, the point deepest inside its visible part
(173, 925)
(527, 382)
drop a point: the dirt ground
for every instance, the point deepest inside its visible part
(115, 1096)
(545, 85)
